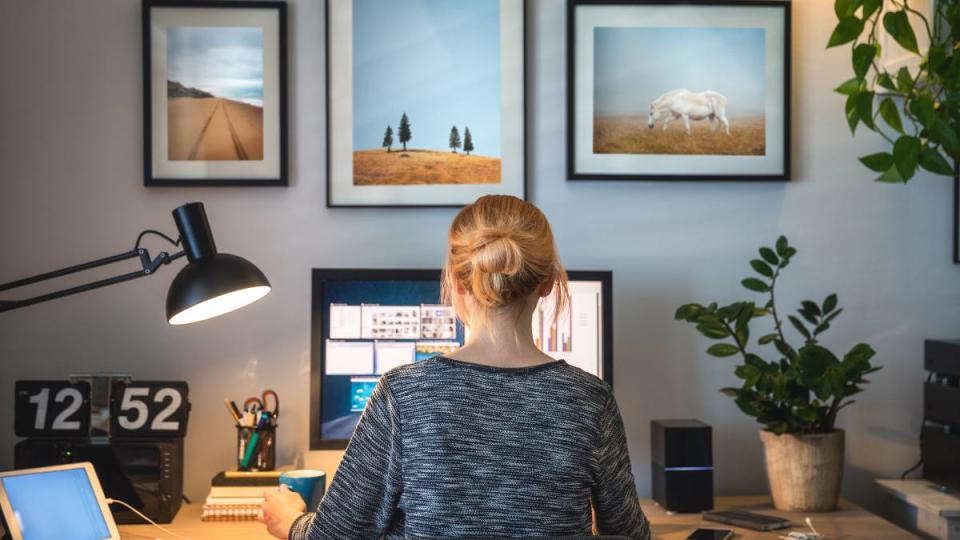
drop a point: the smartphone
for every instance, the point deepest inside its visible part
(710, 534)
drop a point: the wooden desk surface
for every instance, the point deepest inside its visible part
(850, 522)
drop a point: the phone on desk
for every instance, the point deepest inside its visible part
(711, 534)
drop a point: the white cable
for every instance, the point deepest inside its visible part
(150, 521)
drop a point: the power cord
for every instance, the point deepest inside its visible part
(150, 521)
(923, 422)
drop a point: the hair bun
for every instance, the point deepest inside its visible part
(496, 252)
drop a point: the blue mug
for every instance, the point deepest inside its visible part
(309, 484)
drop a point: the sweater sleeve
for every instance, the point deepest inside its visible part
(363, 497)
(615, 498)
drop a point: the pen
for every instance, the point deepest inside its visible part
(233, 413)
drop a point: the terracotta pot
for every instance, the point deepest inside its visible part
(804, 471)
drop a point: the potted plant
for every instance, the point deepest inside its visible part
(797, 393)
(920, 108)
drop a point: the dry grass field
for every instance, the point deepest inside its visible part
(630, 135)
(213, 129)
(380, 168)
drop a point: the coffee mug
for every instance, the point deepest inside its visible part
(309, 484)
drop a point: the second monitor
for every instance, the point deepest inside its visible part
(366, 322)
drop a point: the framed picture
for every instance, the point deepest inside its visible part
(665, 90)
(214, 93)
(425, 101)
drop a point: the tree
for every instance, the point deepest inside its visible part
(467, 141)
(388, 138)
(403, 131)
(454, 139)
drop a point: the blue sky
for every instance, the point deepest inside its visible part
(634, 66)
(225, 61)
(436, 60)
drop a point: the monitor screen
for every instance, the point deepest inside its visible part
(55, 505)
(367, 322)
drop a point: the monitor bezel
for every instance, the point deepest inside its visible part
(8, 513)
(320, 276)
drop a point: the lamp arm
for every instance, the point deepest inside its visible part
(148, 266)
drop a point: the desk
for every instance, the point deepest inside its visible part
(850, 522)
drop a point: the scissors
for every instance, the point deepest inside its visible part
(262, 403)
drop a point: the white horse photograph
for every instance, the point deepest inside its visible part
(690, 90)
(685, 105)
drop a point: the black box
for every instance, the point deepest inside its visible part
(682, 469)
(942, 356)
(144, 473)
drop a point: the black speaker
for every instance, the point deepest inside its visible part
(145, 473)
(682, 468)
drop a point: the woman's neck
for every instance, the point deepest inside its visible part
(505, 340)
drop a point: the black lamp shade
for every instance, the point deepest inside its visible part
(214, 285)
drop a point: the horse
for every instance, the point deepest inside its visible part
(682, 103)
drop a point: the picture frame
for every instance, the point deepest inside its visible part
(214, 93)
(462, 66)
(736, 99)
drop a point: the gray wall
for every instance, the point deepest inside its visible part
(71, 189)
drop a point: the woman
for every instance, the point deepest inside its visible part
(497, 439)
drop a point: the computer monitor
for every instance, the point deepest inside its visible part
(51, 503)
(367, 322)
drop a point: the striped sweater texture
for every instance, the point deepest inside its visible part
(453, 449)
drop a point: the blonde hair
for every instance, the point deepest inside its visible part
(500, 251)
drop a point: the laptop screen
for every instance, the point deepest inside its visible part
(55, 505)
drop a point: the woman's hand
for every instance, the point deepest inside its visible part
(281, 507)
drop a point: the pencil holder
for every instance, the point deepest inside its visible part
(256, 448)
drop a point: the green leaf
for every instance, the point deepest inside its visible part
(769, 256)
(712, 333)
(904, 80)
(906, 155)
(688, 312)
(933, 161)
(829, 303)
(878, 162)
(813, 362)
(762, 268)
(943, 133)
(811, 306)
(782, 246)
(922, 107)
(799, 326)
(756, 285)
(851, 86)
(891, 176)
(764, 340)
(898, 26)
(890, 114)
(870, 7)
(858, 357)
(730, 391)
(886, 81)
(865, 108)
(785, 349)
(746, 371)
(863, 56)
(833, 315)
(723, 349)
(843, 8)
(853, 118)
(848, 29)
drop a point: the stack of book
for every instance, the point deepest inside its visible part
(238, 495)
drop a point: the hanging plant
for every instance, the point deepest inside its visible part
(916, 112)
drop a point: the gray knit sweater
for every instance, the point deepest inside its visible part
(452, 449)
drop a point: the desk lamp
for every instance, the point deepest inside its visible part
(211, 283)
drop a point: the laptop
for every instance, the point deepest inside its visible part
(53, 503)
